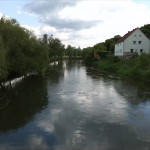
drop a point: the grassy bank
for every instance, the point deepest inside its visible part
(137, 68)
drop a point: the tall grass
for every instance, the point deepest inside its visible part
(138, 67)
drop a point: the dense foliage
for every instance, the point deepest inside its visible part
(138, 67)
(56, 48)
(107, 48)
(101, 55)
(146, 30)
(3, 62)
(73, 52)
(20, 51)
(100, 50)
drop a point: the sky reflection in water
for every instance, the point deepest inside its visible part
(79, 109)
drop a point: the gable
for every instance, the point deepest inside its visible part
(126, 36)
(137, 35)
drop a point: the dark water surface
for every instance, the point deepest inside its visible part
(75, 108)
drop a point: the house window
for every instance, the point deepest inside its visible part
(140, 42)
(141, 50)
(131, 50)
(134, 42)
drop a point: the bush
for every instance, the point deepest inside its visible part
(114, 59)
(138, 68)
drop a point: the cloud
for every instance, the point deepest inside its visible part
(69, 24)
(87, 22)
(46, 6)
(37, 142)
(48, 12)
(1, 15)
(41, 29)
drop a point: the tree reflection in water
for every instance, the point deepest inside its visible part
(26, 99)
(76, 109)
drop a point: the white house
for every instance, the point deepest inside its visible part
(133, 42)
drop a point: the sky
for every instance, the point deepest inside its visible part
(81, 23)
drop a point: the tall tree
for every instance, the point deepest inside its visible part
(56, 48)
(25, 53)
(3, 61)
(45, 38)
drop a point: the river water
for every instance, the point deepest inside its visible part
(75, 108)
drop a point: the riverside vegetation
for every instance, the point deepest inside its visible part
(21, 52)
(137, 67)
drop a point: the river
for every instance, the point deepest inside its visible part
(75, 108)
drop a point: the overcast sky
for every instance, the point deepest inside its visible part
(78, 22)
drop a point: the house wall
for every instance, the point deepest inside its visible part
(119, 49)
(137, 36)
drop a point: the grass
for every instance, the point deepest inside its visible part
(137, 68)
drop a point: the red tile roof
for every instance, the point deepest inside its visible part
(126, 36)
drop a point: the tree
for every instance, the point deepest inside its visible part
(146, 30)
(69, 51)
(41, 57)
(100, 51)
(25, 53)
(88, 54)
(56, 48)
(72, 52)
(3, 61)
(45, 38)
(110, 43)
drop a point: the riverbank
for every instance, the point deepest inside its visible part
(136, 68)
(72, 58)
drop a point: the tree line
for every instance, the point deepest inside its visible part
(57, 50)
(21, 52)
(137, 67)
(106, 48)
(100, 49)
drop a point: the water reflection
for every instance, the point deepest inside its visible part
(135, 92)
(55, 72)
(81, 110)
(26, 99)
(90, 114)
(130, 104)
